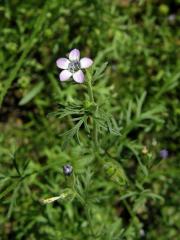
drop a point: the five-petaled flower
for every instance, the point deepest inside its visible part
(73, 66)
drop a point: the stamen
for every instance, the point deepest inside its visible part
(74, 66)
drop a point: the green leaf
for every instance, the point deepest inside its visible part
(68, 135)
(30, 95)
(99, 71)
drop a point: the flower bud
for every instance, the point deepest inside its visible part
(67, 169)
(115, 173)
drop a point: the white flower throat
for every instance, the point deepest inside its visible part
(74, 66)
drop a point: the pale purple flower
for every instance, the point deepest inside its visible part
(164, 153)
(73, 66)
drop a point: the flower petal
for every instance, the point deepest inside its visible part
(65, 75)
(86, 62)
(74, 55)
(78, 76)
(62, 63)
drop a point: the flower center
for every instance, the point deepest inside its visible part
(74, 66)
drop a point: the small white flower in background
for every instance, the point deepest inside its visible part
(73, 66)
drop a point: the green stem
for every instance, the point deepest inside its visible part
(89, 221)
(94, 137)
(91, 97)
(90, 91)
(87, 211)
(95, 134)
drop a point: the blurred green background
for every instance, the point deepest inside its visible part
(140, 41)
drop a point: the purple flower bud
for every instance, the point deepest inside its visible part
(67, 169)
(164, 153)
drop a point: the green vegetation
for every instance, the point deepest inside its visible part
(110, 129)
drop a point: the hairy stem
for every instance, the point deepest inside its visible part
(90, 90)
(89, 220)
(91, 97)
(84, 204)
